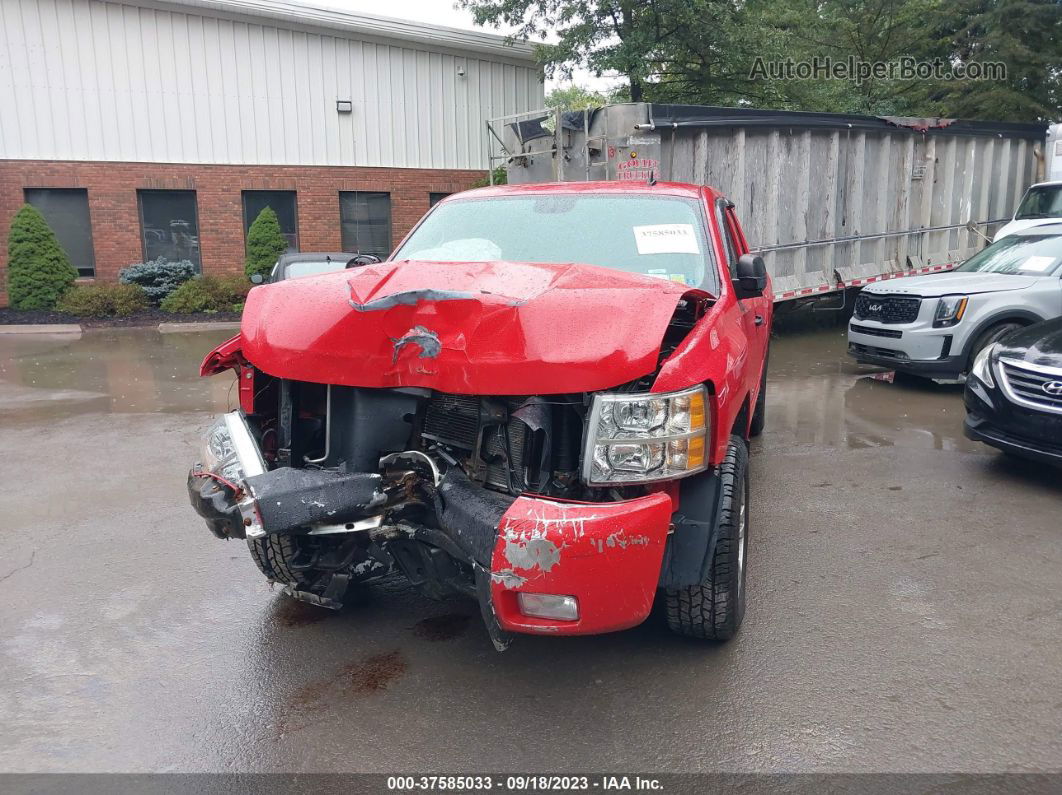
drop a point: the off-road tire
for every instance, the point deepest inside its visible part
(759, 414)
(986, 338)
(713, 610)
(273, 555)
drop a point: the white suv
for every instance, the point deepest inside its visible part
(935, 325)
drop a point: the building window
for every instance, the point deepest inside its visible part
(67, 212)
(283, 204)
(435, 198)
(169, 225)
(365, 222)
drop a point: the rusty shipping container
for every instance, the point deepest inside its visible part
(829, 200)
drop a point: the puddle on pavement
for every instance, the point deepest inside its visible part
(819, 395)
(116, 371)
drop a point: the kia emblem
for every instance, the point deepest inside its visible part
(1053, 388)
(874, 308)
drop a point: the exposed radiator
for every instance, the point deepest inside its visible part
(454, 420)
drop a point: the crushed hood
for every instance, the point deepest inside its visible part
(473, 328)
(938, 284)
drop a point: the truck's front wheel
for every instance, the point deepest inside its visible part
(274, 555)
(713, 609)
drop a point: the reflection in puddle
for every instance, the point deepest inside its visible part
(119, 371)
(818, 395)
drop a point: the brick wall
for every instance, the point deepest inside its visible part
(113, 209)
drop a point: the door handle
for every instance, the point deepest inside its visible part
(758, 320)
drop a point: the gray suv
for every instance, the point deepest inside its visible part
(935, 325)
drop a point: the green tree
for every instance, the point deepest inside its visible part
(602, 35)
(265, 243)
(38, 270)
(575, 97)
(1025, 36)
(703, 51)
(501, 177)
(668, 50)
(868, 31)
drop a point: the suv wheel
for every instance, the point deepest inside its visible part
(986, 338)
(713, 610)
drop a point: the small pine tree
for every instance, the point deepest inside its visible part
(264, 243)
(38, 270)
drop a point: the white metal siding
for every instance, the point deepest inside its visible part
(89, 80)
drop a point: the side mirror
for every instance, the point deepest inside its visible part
(750, 276)
(257, 278)
(362, 259)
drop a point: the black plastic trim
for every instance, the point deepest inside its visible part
(980, 430)
(950, 367)
(691, 546)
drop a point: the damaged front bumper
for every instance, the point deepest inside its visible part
(537, 565)
(606, 556)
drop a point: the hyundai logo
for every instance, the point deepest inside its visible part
(1053, 388)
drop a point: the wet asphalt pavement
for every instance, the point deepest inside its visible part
(905, 594)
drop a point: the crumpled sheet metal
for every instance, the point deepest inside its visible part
(464, 328)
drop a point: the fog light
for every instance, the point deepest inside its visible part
(546, 605)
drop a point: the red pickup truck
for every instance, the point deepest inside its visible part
(542, 399)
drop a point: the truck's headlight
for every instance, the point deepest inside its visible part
(950, 310)
(645, 437)
(229, 449)
(982, 366)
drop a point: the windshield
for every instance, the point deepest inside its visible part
(312, 267)
(1026, 255)
(657, 235)
(1042, 202)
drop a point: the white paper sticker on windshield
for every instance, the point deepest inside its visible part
(1037, 264)
(666, 239)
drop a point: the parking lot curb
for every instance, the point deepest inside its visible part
(177, 328)
(40, 328)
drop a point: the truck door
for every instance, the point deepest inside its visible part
(755, 312)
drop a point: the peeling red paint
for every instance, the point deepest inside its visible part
(607, 555)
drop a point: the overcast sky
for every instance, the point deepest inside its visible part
(441, 12)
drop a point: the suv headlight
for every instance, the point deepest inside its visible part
(639, 438)
(982, 366)
(950, 310)
(230, 451)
